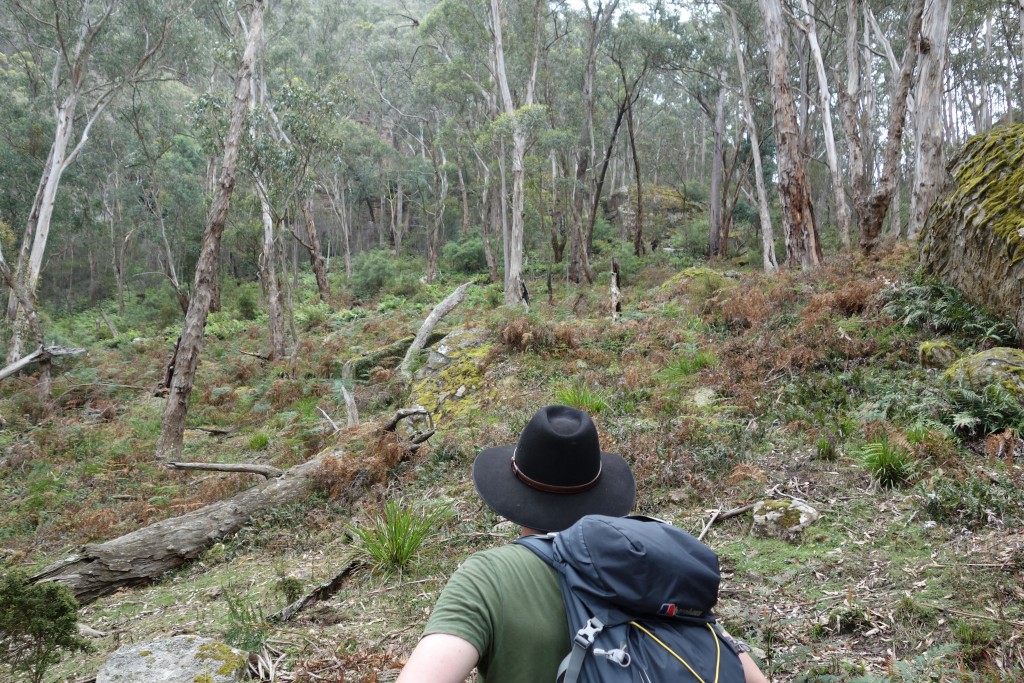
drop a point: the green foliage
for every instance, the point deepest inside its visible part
(371, 271)
(579, 395)
(246, 306)
(888, 463)
(391, 539)
(464, 257)
(972, 501)
(259, 442)
(37, 622)
(247, 627)
(973, 412)
(941, 308)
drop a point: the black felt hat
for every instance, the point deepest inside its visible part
(556, 474)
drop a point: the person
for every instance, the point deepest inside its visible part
(502, 611)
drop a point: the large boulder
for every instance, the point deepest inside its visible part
(974, 236)
(453, 373)
(180, 659)
(1001, 365)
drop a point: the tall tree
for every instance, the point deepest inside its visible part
(172, 429)
(929, 162)
(92, 50)
(801, 232)
(514, 236)
(767, 233)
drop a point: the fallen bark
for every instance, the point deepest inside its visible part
(146, 554)
(43, 353)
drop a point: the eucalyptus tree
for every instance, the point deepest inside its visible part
(803, 247)
(873, 190)
(769, 261)
(186, 361)
(80, 55)
(929, 158)
(515, 288)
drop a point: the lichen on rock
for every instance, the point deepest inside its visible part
(974, 235)
(937, 354)
(453, 375)
(784, 519)
(1001, 365)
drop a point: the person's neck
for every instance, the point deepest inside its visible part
(526, 531)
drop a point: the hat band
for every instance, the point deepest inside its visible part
(552, 488)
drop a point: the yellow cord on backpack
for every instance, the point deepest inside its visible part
(718, 651)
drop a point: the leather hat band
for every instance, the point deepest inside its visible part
(552, 488)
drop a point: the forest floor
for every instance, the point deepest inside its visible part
(721, 388)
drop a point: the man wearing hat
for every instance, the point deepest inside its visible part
(502, 610)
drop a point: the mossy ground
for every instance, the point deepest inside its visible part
(879, 587)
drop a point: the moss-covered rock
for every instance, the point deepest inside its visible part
(448, 385)
(784, 519)
(1001, 365)
(974, 236)
(937, 354)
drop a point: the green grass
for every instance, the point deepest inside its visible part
(392, 537)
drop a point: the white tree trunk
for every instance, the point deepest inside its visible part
(824, 98)
(929, 164)
(767, 232)
(268, 273)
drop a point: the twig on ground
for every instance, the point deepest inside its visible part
(328, 418)
(719, 515)
(321, 592)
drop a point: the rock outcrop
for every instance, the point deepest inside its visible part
(180, 659)
(974, 236)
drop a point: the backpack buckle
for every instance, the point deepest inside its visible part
(585, 636)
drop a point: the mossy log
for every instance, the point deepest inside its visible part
(974, 235)
(385, 357)
(145, 555)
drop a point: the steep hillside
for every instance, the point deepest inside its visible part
(720, 388)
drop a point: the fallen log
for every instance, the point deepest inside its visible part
(145, 555)
(267, 471)
(440, 311)
(40, 354)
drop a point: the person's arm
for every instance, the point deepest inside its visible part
(751, 671)
(442, 658)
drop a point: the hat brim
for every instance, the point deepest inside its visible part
(613, 495)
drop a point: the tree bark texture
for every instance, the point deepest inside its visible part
(172, 429)
(801, 233)
(440, 311)
(929, 162)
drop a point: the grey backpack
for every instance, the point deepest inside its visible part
(638, 595)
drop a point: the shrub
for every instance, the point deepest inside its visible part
(247, 306)
(391, 539)
(888, 463)
(248, 627)
(259, 442)
(372, 271)
(464, 257)
(37, 621)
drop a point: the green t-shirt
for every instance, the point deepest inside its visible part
(505, 602)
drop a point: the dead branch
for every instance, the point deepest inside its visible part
(440, 311)
(261, 356)
(321, 592)
(719, 515)
(328, 418)
(43, 353)
(405, 413)
(264, 470)
(350, 402)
